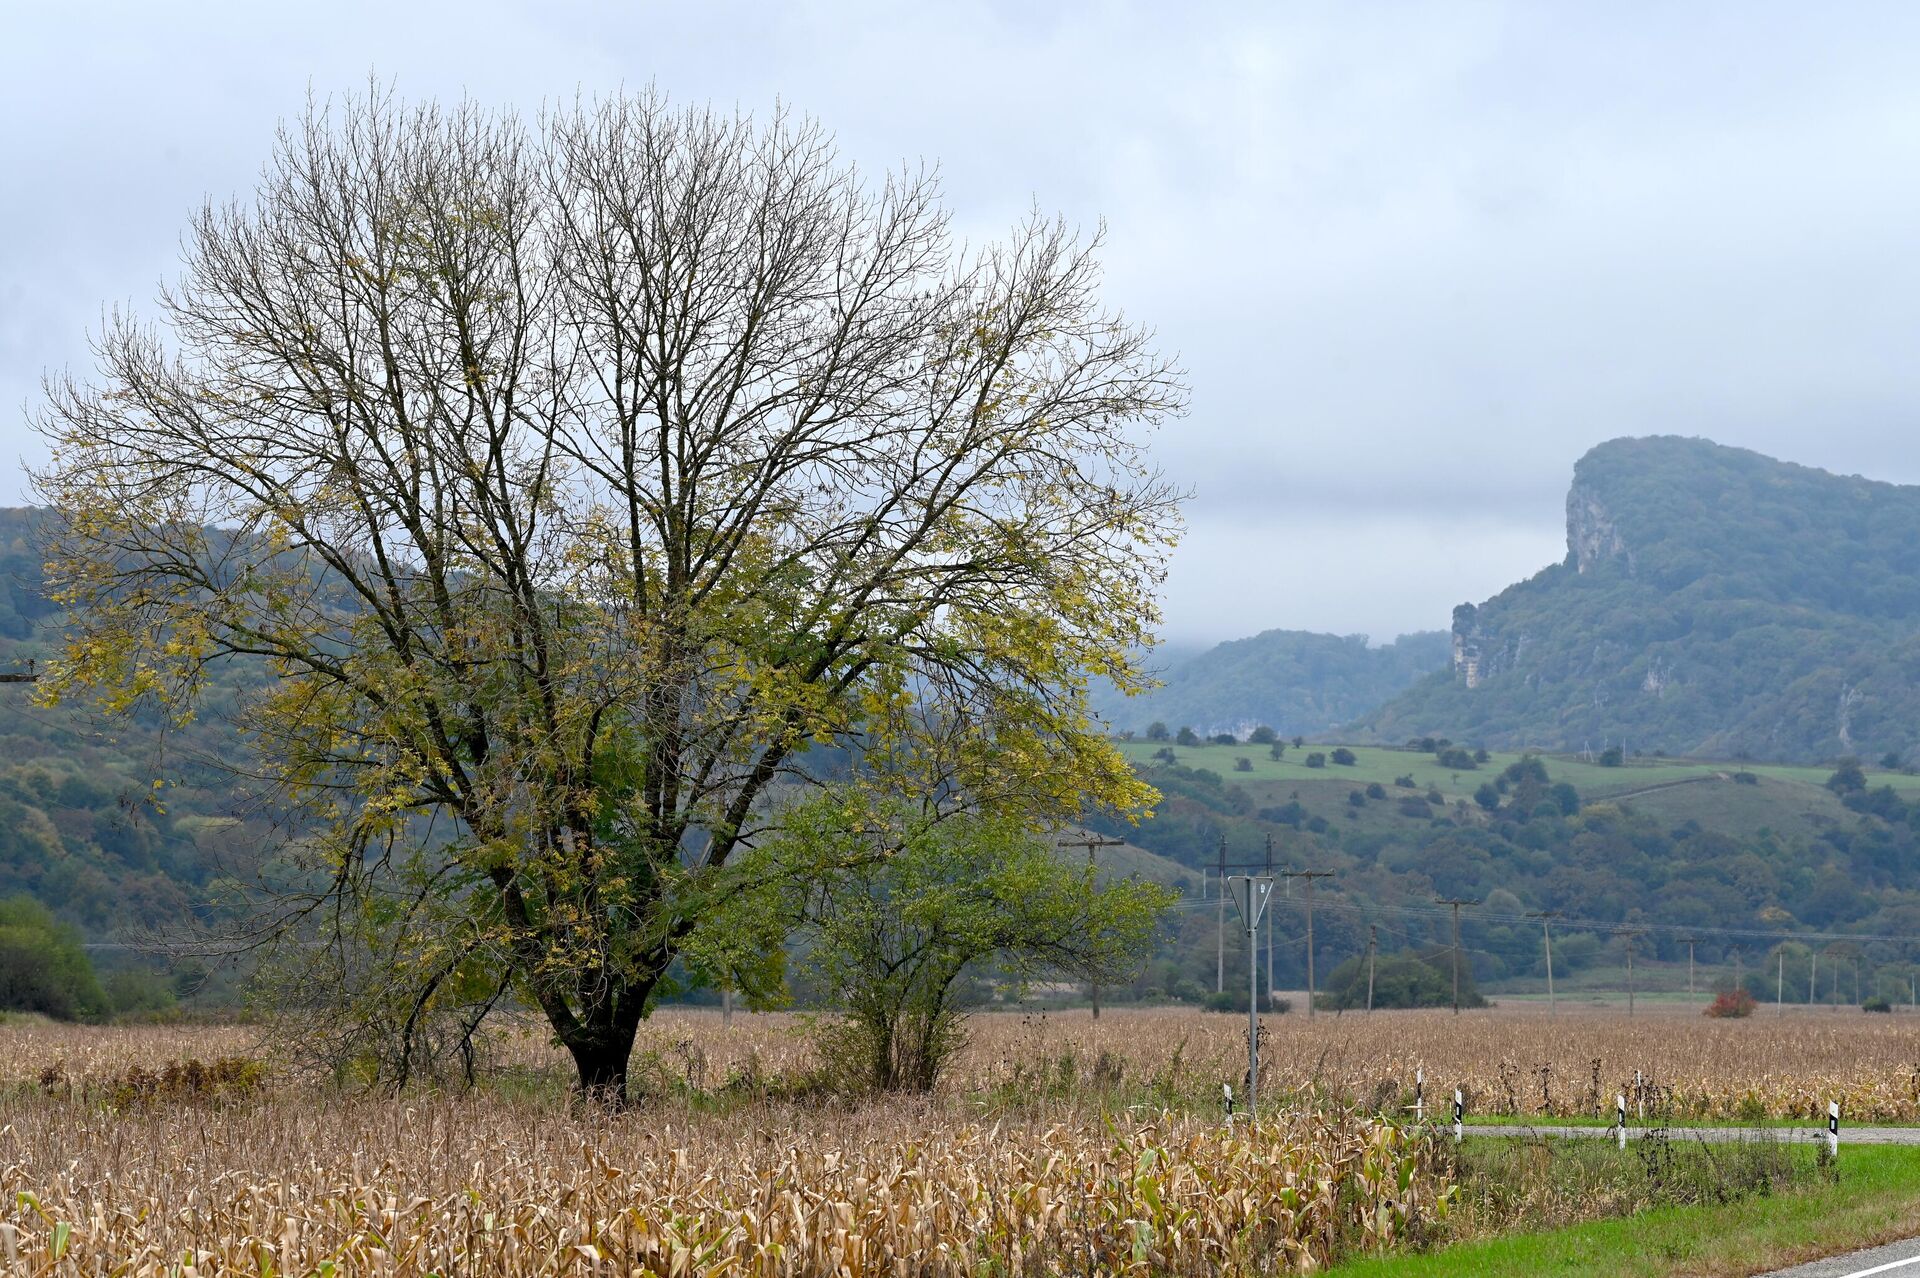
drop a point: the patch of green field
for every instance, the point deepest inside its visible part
(1790, 798)
(1875, 1199)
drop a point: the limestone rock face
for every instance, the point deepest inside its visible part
(1592, 535)
(1711, 602)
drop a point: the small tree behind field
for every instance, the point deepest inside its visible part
(902, 908)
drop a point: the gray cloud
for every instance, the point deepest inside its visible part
(1417, 258)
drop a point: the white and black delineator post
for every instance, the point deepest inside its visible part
(1419, 1094)
(1833, 1129)
(1620, 1118)
(1459, 1109)
(1251, 892)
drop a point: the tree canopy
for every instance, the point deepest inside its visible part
(576, 480)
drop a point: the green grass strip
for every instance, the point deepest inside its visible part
(1876, 1200)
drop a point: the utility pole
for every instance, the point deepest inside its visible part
(1091, 842)
(1269, 926)
(1309, 876)
(1258, 893)
(1546, 918)
(1373, 946)
(1630, 938)
(1689, 942)
(1456, 902)
(1780, 986)
(1220, 927)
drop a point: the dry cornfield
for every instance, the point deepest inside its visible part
(1521, 1063)
(488, 1186)
(1057, 1143)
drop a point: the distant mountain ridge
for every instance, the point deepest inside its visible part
(1295, 681)
(1712, 602)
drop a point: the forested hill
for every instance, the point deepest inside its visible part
(1713, 602)
(83, 826)
(1290, 680)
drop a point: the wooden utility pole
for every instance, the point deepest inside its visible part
(1269, 926)
(1220, 927)
(1630, 938)
(1092, 842)
(1309, 876)
(1689, 942)
(1456, 902)
(1373, 946)
(1546, 918)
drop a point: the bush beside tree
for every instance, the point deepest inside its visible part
(43, 967)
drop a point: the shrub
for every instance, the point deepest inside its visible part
(1277, 751)
(1436, 798)
(1262, 735)
(1481, 755)
(1355, 799)
(1225, 738)
(1487, 796)
(1185, 737)
(1612, 757)
(1316, 760)
(1290, 813)
(1876, 1004)
(1405, 783)
(1455, 759)
(1235, 1000)
(43, 967)
(1165, 754)
(1375, 790)
(1343, 756)
(1745, 778)
(1157, 731)
(1416, 807)
(1243, 764)
(1731, 1004)
(1847, 777)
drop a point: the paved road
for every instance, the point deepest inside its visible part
(1848, 1135)
(1896, 1260)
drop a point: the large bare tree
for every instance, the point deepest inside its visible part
(575, 479)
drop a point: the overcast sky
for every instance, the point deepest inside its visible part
(1416, 258)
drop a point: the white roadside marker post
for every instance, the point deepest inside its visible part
(1419, 1102)
(1620, 1118)
(1833, 1129)
(1459, 1108)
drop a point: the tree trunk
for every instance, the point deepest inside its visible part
(601, 1063)
(601, 1043)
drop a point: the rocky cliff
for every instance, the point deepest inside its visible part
(1713, 601)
